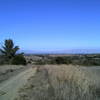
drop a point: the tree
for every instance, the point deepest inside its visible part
(8, 49)
(9, 54)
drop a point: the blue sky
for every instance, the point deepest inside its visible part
(51, 24)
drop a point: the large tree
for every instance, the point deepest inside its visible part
(9, 54)
(8, 49)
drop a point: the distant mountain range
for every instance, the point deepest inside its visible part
(69, 51)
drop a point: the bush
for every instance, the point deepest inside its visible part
(18, 60)
(62, 60)
(3, 60)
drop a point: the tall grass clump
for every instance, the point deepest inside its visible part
(71, 83)
(59, 83)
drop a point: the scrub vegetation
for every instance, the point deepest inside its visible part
(77, 59)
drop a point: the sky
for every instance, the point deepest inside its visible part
(51, 24)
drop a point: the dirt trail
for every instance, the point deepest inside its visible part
(9, 89)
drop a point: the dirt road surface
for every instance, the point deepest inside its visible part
(9, 89)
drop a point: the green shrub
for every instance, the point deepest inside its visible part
(18, 60)
(62, 60)
(3, 60)
(41, 62)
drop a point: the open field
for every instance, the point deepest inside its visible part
(50, 82)
(62, 82)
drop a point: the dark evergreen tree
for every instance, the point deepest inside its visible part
(8, 49)
(9, 54)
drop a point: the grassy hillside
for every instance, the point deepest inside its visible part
(53, 82)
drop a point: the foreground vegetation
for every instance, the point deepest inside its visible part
(59, 83)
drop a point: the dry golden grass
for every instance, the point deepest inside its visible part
(60, 83)
(71, 83)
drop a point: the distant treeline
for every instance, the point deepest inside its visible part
(86, 59)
